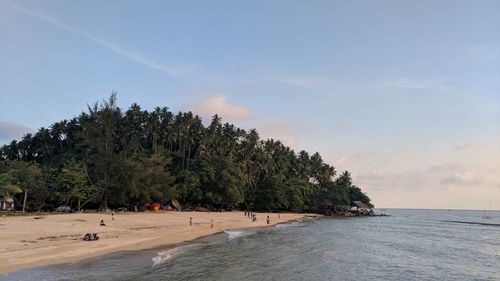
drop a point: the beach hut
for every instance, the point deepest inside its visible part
(7, 204)
(360, 207)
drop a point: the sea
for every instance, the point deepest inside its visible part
(407, 245)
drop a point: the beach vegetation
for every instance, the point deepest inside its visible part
(108, 158)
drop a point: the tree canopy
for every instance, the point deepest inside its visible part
(110, 157)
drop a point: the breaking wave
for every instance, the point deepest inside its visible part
(290, 224)
(168, 255)
(234, 234)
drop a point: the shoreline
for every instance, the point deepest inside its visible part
(55, 239)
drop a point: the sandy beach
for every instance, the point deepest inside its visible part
(29, 241)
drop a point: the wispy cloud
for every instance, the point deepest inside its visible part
(11, 130)
(115, 48)
(449, 175)
(291, 81)
(305, 81)
(466, 146)
(472, 176)
(419, 84)
(465, 178)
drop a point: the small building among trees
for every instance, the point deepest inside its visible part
(359, 207)
(7, 204)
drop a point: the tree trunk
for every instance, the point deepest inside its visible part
(24, 201)
(104, 205)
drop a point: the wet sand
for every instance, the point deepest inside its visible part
(30, 241)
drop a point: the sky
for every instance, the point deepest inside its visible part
(403, 94)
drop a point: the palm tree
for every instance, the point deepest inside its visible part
(7, 188)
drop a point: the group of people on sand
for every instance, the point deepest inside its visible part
(253, 217)
(250, 214)
(90, 237)
(112, 218)
(94, 236)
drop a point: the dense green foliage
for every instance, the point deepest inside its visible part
(107, 157)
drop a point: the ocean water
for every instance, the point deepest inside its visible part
(408, 245)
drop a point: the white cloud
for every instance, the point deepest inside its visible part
(286, 132)
(11, 130)
(117, 49)
(472, 177)
(290, 142)
(465, 178)
(218, 104)
(430, 179)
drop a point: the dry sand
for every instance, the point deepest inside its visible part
(30, 241)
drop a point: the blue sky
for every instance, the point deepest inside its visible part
(405, 94)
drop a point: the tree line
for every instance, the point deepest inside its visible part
(107, 157)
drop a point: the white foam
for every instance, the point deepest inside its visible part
(291, 224)
(157, 260)
(168, 255)
(233, 234)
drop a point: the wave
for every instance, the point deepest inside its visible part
(234, 234)
(168, 255)
(477, 223)
(290, 224)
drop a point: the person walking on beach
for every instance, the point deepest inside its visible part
(190, 221)
(211, 223)
(268, 220)
(113, 215)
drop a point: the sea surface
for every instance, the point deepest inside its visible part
(408, 245)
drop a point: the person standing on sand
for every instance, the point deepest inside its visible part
(190, 221)
(211, 223)
(113, 215)
(268, 220)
